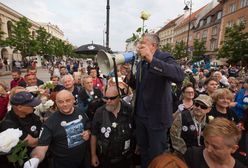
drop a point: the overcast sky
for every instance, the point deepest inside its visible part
(83, 21)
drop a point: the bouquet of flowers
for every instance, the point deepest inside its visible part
(10, 144)
(48, 85)
(43, 108)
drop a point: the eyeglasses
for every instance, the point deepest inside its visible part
(189, 92)
(110, 98)
(204, 107)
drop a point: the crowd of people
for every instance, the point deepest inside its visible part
(164, 115)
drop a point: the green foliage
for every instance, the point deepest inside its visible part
(179, 50)
(21, 38)
(235, 44)
(167, 47)
(42, 43)
(18, 153)
(199, 50)
(42, 40)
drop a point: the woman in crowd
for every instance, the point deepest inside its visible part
(221, 138)
(233, 87)
(222, 99)
(211, 84)
(187, 102)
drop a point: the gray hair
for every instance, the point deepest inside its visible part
(152, 38)
(66, 76)
(83, 77)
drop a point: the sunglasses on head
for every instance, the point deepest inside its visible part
(202, 106)
(110, 98)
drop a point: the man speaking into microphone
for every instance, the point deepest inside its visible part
(153, 106)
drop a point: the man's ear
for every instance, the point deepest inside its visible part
(234, 148)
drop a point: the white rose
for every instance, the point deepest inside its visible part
(145, 15)
(210, 118)
(49, 103)
(9, 139)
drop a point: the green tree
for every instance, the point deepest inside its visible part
(69, 50)
(42, 39)
(167, 47)
(199, 50)
(235, 44)
(179, 51)
(21, 38)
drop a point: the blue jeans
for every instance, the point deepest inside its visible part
(150, 141)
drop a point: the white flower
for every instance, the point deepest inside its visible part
(49, 103)
(173, 84)
(48, 85)
(114, 124)
(9, 139)
(145, 15)
(43, 107)
(210, 118)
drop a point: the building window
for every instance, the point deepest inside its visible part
(204, 34)
(219, 15)
(208, 19)
(213, 45)
(201, 23)
(232, 8)
(214, 30)
(9, 28)
(197, 36)
(243, 3)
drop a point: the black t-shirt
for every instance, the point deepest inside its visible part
(195, 159)
(98, 118)
(230, 115)
(114, 134)
(30, 124)
(62, 133)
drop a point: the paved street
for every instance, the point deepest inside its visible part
(41, 74)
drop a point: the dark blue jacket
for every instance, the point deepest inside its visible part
(155, 92)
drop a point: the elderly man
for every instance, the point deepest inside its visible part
(153, 106)
(68, 83)
(112, 133)
(21, 116)
(186, 130)
(64, 133)
(90, 97)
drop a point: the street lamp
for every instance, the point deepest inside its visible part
(188, 6)
(107, 25)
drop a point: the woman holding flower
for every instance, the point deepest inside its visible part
(222, 99)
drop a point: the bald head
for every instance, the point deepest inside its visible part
(112, 90)
(64, 93)
(65, 102)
